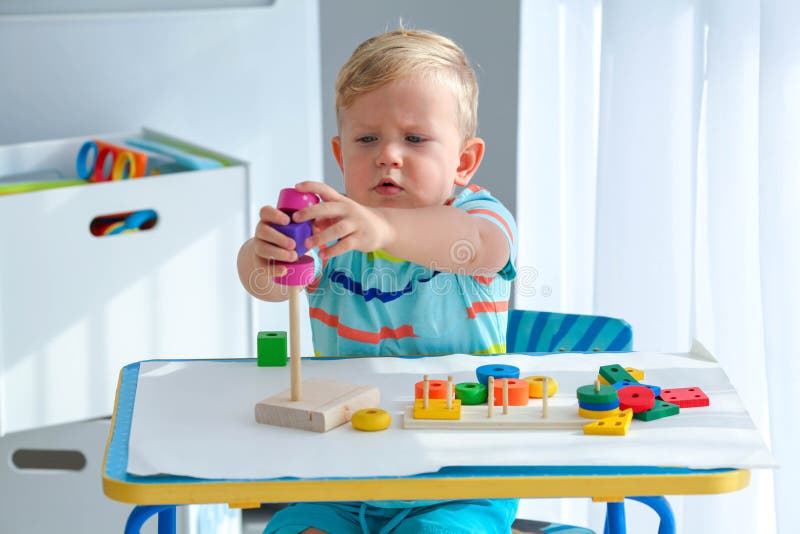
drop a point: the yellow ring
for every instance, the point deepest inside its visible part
(371, 419)
(592, 414)
(118, 171)
(536, 386)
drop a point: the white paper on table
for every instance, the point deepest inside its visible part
(196, 418)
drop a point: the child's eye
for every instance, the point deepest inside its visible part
(367, 139)
(413, 139)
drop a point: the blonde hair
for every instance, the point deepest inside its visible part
(396, 54)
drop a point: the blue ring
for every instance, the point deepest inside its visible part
(496, 370)
(600, 406)
(83, 172)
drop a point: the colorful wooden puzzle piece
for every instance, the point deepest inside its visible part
(659, 410)
(615, 373)
(271, 349)
(616, 425)
(685, 397)
(637, 375)
(637, 398)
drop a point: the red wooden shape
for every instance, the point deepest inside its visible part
(685, 397)
(637, 398)
(437, 389)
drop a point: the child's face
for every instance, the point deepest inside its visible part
(400, 145)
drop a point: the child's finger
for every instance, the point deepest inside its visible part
(342, 246)
(338, 230)
(269, 214)
(265, 232)
(325, 210)
(326, 192)
(268, 251)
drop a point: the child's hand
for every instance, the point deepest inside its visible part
(356, 227)
(269, 244)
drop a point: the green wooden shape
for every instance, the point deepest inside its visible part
(471, 393)
(587, 394)
(271, 349)
(615, 373)
(659, 410)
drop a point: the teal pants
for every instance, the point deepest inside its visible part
(478, 516)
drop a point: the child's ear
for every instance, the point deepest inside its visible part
(471, 156)
(336, 146)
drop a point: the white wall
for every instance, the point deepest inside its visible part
(242, 81)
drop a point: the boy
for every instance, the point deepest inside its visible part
(403, 267)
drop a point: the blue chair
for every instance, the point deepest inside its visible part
(536, 331)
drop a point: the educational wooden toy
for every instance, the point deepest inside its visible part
(427, 412)
(625, 383)
(659, 410)
(496, 370)
(614, 373)
(371, 420)
(536, 386)
(271, 349)
(637, 375)
(326, 404)
(511, 392)
(685, 397)
(470, 393)
(615, 425)
(637, 398)
(437, 389)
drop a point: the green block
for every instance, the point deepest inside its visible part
(615, 373)
(659, 410)
(271, 349)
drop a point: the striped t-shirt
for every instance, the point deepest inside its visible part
(376, 304)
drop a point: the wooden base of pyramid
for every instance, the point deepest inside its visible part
(326, 404)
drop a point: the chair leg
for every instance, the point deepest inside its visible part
(615, 518)
(140, 514)
(661, 506)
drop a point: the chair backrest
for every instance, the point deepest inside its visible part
(535, 331)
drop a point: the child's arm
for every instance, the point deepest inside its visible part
(441, 237)
(254, 263)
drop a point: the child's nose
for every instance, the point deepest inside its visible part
(389, 156)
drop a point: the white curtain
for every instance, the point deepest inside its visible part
(659, 181)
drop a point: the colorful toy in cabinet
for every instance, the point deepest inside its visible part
(316, 405)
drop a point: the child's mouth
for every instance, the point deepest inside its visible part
(388, 188)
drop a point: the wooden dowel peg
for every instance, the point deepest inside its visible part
(545, 396)
(426, 384)
(294, 342)
(505, 396)
(490, 395)
(449, 392)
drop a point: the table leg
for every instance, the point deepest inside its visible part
(615, 518)
(661, 506)
(615, 515)
(140, 514)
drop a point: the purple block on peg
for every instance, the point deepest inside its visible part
(291, 200)
(297, 231)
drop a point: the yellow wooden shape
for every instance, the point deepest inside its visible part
(638, 374)
(371, 420)
(611, 426)
(536, 386)
(437, 409)
(592, 414)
